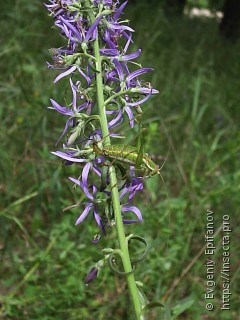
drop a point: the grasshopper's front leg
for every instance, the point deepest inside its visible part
(88, 152)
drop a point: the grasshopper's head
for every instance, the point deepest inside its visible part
(152, 167)
(156, 170)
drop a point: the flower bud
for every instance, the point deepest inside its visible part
(91, 275)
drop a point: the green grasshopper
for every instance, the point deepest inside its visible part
(124, 155)
(129, 155)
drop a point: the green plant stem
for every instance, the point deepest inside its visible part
(123, 244)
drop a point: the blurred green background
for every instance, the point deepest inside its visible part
(194, 120)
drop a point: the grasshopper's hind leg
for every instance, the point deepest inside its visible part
(104, 178)
(122, 175)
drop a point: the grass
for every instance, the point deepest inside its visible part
(195, 117)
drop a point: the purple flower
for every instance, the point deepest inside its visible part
(91, 30)
(76, 27)
(135, 74)
(68, 28)
(119, 11)
(115, 54)
(92, 205)
(58, 8)
(135, 185)
(60, 109)
(116, 26)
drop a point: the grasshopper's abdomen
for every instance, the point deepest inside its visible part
(121, 152)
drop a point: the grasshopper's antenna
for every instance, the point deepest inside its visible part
(160, 174)
(165, 159)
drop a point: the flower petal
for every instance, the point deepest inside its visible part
(60, 109)
(68, 124)
(130, 221)
(92, 28)
(117, 26)
(84, 188)
(72, 28)
(145, 90)
(84, 213)
(119, 11)
(130, 116)
(137, 73)
(85, 173)
(65, 156)
(137, 103)
(133, 209)
(130, 56)
(66, 73)
(99, 220)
